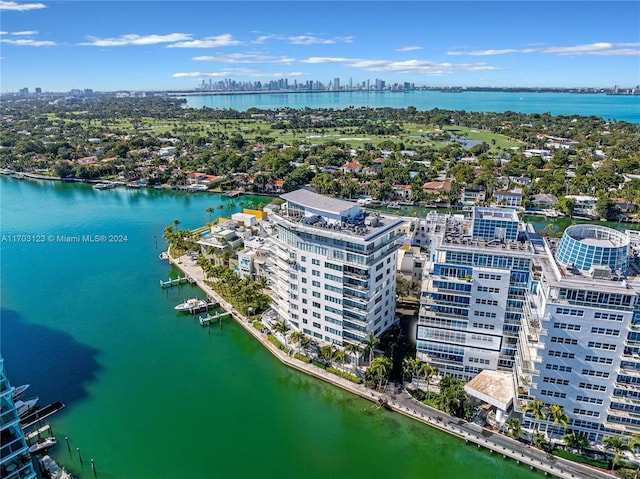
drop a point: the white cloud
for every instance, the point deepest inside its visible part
(236, 72)
(326, 60)
(407, 66)
(245, 58)
(224, 40)
(135, 39)
(599, 48)
(505, 51)
(408, 49)
(27, 42)
(25, 32)
(21, 7)
(303, 39)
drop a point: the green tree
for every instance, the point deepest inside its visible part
(605, 207)
(427, 372)
(618, 445)
(378, 373)
(576, 440)
(283, 328)
(297, 338)
(558, 416)
(538, 410)
(339, 357)
(370, 343)
(355, 351)
(540, 441)
(210, 211)
(327, 352)
(566, 205)
(514, 428)
(453, 399)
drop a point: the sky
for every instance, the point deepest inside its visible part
(174, 45)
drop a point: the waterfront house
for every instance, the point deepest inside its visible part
(473, 196)
(509, 197)
(543, 201)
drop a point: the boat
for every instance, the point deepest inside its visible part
(103, 186)
(43, 445)
(16, 392)
(191, 304)
(24, 407)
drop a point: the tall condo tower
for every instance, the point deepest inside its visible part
(332, 268)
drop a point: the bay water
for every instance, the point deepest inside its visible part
(150, 393)
(608, 107)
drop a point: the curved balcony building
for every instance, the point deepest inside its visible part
(585, 246)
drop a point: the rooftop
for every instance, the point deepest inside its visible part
(493, 387)
(314, 200)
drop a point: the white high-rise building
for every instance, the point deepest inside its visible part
(580, 342)
(474, 286)
(332, 268)
(15, 461)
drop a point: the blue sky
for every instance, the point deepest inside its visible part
(156, 45)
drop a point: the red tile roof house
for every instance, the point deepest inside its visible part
(88, 160)
(352, 167)
(437, 187)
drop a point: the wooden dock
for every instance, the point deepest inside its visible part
(173, 282)
(208, 318)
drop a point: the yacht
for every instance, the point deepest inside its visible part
(191, 304)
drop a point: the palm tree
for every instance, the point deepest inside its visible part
(327, 352)
(576, 440)
(355, 351)
(370, 343)
(379, 370)
(618, 445)
(412, 366)
(209, 210)
(427, 372)
(339, 357)
(514, 428)
(296, 338)
(540, 441)
(176, 222)
(537, 410)
(557, 414)
(283, 328)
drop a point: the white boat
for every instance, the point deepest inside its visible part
(191, 304)
(16, 392)
(103, 186)
(43, 445)
(24, 407)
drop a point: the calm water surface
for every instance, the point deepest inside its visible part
(609, 107)
(151, 394)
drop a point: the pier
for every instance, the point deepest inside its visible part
(208, 318)
(177, 281)
(40, 414)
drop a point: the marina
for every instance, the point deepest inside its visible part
(99, 361)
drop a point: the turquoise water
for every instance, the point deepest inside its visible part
(609, 107)
(151, 394)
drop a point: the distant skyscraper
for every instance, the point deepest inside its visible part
(38, 90)
(336, 84)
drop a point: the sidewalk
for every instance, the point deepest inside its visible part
(403, 403)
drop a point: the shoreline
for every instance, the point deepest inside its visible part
(404, 404)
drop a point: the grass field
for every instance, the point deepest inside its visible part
(254, 130)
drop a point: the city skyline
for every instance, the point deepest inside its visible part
(152, 45)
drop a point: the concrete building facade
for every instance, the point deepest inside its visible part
(332, 268)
